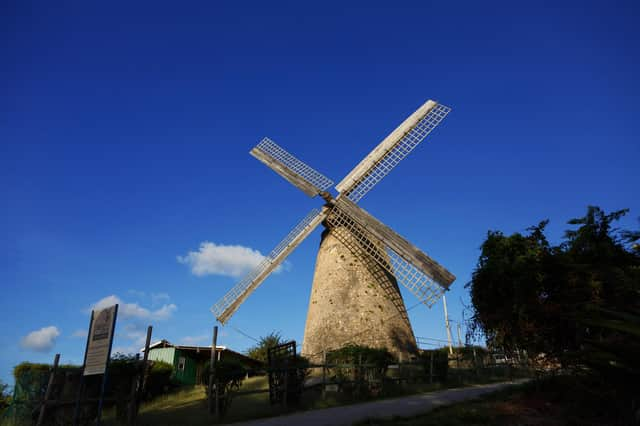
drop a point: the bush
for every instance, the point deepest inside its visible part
(440, 363)
(32, 378)
(31, 381)
(5, 397)
(361, 369)
(229, 375)
(259, 351)
(160, 378)
(355, 354)
(227, 370)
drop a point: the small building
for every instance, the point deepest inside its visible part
(189, 361)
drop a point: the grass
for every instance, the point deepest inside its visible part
(189, 406)
(472, 413)
(554, 401)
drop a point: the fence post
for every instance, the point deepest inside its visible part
(431, 369)
(475, 362)
(76, 410)
(145, 364)
(132, 406)
(324, 373)
(47, 393)
(286, 385)
(213, 401)
(359, 378)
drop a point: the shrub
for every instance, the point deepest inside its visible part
(229, 375)
(227, 371)
(360, 368)
(5, 397)
(259, 351)
(440, 362)
(354, 354)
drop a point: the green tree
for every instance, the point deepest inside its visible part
(5, 397)
(528, 294)
(259, 351)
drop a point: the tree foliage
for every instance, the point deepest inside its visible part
(260, 350)
(5, 397)
(561, 300)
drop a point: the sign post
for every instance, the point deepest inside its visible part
(98, 352)
(104, 325)
(76, 410)
(213, 378)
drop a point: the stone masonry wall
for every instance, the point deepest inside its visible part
(353, 300)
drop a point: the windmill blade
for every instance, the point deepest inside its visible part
(231, 301)
(412, 268)
(310, 181)
(392, 150)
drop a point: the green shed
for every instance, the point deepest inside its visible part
(189, 361)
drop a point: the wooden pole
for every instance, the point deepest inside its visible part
(133, 394)
(431, 369)
(145, 364)
(286, 385)
(359, 374)
(213, 404)
(76, 410)
(324, 374)
(47, 393)
(105, 376)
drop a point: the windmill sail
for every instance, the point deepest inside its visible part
(231, 301)
(392, 150)
(412, 268)
(310, 181)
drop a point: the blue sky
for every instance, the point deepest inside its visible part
(125, 130)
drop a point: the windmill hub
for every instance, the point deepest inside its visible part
(327, 197)
(355, 296)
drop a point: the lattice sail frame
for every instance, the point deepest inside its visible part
(397, 153)
(225, 307)
(296, 166)
(387, 155)
(354, 235)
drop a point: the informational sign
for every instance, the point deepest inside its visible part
(100, 339)
(331, 388)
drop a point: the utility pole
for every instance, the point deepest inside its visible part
(446, 323)
(459, 338)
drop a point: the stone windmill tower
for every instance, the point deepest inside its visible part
(355, 296)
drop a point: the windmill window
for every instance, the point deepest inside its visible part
(181, 361)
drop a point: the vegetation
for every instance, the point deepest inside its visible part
(556, 400)
(577, 304)
(188, 404)
(260, 350)
(436, 362)
(229, 375)
(5, 397)
(31, 382)
(356, 354)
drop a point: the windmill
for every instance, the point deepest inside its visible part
(361, 260)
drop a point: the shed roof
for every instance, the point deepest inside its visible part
(204, 351)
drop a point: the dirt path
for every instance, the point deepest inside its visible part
(405, 406)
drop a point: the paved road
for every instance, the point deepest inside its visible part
(405, 406)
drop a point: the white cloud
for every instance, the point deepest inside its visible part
(214, 259)
(80, 333)
(137, 293)
(158, 298)
(41, 340)
(135, 335)
(133, 310)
